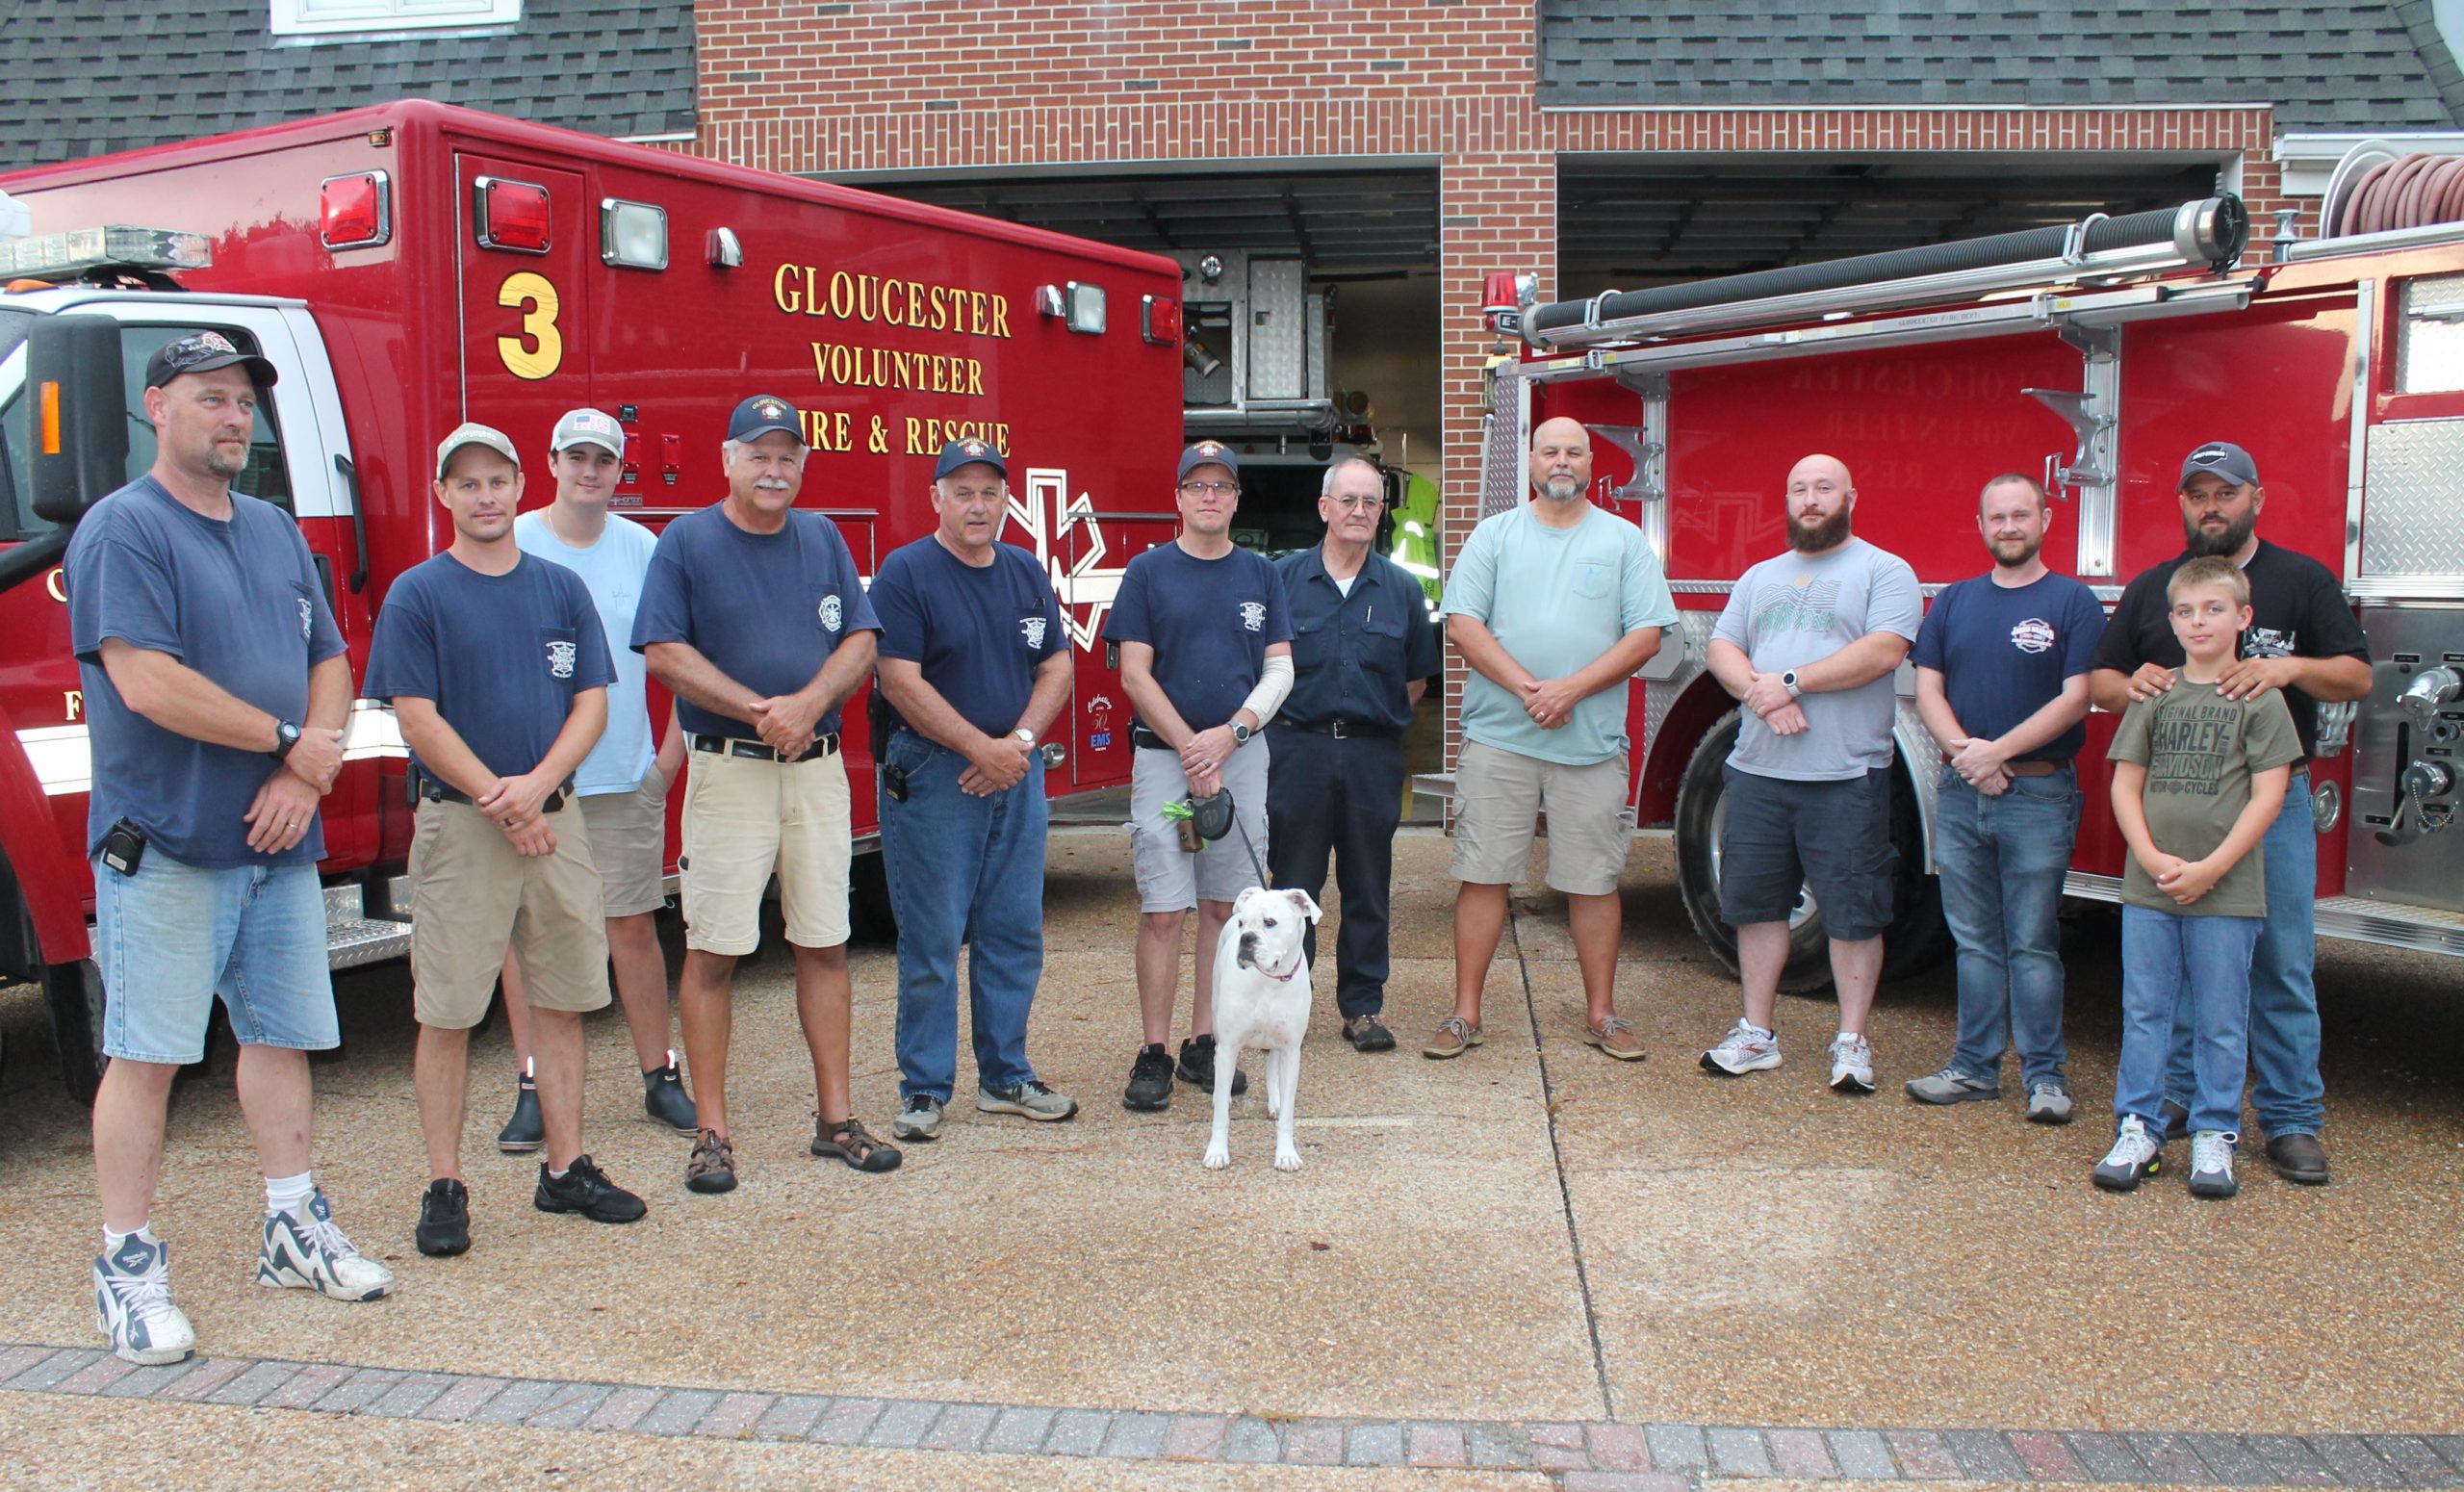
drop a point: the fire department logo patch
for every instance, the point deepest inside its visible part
(2032, 635)
(772, 409)
(830, 611)
(1208, 448)
(975, 448)
(1032, 628)
(307, 617)
(1253, 615)
(560, 660)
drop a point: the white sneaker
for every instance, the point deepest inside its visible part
(1744, 1050)
(133, 1304)
(1852, 1065)
(2134, 1155)
(2049, 1102)
(312, 1253)
(2212, 1163)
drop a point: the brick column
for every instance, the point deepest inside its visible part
(1495, 212)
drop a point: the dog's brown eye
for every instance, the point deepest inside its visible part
(1269, 921)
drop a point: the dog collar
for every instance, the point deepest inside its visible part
(1285, 977)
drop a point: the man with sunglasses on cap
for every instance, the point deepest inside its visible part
(1205, 639)
(974, 668)
(216, 690)
(754, 616)
(621, 786)
(2303, 640)
(498, 669)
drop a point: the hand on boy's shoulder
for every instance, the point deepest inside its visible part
(2248, 679)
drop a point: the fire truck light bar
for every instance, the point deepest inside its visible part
(56, 255)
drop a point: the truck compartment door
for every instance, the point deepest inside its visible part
(525, 256)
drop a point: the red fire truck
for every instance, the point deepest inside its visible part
(410, 266)
(2100, 353)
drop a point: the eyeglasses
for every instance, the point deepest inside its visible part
(1209, 489)
(1358, 504)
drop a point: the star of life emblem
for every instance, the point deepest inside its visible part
(1032, 627)
(830, 611)
(1253, 615)
(560, 659)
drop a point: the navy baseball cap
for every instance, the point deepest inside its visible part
(969, 452)
(762, 415)
(203, 352)
(2225, 459)
(1209, 453)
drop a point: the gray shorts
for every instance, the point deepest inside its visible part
(629, 842)
(1170, 878)
(1499, 798)
(1832, 838)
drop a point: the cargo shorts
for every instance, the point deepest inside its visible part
(475, 899)
(1832, 838)
(1499, 798)
(1171, 879)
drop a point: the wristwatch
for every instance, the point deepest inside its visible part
(285, 737)
(1789, 681)
(1026, 737)
(1241, 734)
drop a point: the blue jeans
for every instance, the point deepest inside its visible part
(963, 869)
(2000, 860)
(2191, 969)
(172, 938)
(2285, 1088)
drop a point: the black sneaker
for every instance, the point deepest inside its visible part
(585, 1189)
(665, 1100)
(444, 1219)
(2177, 1122)
(1150, 1081)
(525, 1132)
(1197, 1067)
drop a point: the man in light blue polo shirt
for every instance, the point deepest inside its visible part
(1555, 605)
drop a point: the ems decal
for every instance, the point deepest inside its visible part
(1253, 615)
(560, 659)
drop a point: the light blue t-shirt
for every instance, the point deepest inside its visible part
(1797, 610)
(1556, 599)
(613, 571)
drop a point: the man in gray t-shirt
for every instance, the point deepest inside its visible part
(1808, 643)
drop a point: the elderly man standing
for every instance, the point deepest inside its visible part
(974, 668)
(1808, 642)
(1362, 654)
(1553, 605)
(752, 614)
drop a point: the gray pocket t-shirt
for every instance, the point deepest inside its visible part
(1796, 609)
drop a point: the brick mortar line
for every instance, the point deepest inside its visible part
(1585, 1456)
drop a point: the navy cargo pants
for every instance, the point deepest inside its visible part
(1342, 795)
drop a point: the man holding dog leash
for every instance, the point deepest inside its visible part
(1206, 656)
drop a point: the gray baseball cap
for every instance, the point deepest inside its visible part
(587, 427)
(2225, 459)
(469, 433)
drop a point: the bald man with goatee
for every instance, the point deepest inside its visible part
(1555, 605)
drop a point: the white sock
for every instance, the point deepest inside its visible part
(289, 1194)
(1754, 1030)
(112, 1240)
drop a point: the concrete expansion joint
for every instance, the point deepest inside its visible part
(1598, 1457)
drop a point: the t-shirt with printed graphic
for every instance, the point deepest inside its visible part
(1796, 609)
(767, 610)
(2005, 652)
(1210, 622)
(978, 631)
(501, 656)
(2199, 748)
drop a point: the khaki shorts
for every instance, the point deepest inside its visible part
(745, 817)
(628, 839)
(1499, 798)
(472, 900)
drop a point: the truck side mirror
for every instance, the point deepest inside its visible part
(80, 408)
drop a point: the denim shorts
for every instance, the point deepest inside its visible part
(172, 937)
(1833, 839)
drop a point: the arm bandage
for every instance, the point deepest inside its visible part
(1273, 686)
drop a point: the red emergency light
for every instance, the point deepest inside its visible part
(509, 214)
(1161, 320)
(355, 211)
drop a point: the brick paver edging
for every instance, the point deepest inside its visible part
(1587, 1457)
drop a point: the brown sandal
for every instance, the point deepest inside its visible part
(849, 1141)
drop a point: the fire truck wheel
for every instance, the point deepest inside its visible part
(74, 993)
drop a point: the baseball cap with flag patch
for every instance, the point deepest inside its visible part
(588, 427)
(764, 414)
(969, 452)
(1208, 452)
(2223, 459)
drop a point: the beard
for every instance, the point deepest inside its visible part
(1830, 533)
(2226, 545)
(1560, 489)
(2008, 560)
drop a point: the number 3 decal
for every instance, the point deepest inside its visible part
(541, 347)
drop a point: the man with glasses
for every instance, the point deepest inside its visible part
(1362, 652)
(1206, 657)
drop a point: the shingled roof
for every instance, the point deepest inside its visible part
(86, 77)
(2325, 66)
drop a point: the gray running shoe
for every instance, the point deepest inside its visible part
(1952, 1085)
(1745, 1049)
(2049, 1103)
(918, 1119)
(2212, 1164)
(1030, 1099)
(2135, 1155)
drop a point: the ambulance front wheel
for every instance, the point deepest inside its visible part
(74, 993)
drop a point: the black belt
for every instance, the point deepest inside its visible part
(822, 745)
(438, 792)
(1339, 729)
(1140, 737)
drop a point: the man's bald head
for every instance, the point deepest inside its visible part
(1820, 497)
(1561, 460)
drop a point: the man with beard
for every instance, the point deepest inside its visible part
(1808, 642)
(2303, 640)
(2002, 667)
(1555, 605)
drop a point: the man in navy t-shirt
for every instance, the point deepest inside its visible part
(974, 667)
(498, 669)
(216, 689)
(1205, 637)
(2002, 665)
(754, 615)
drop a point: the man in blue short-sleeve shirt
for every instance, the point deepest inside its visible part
(755, 617)
(214, 691)
(974, 667)
(2002, 664)
(498, 669)
(1205, 639)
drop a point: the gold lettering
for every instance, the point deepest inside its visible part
(72, 704)
(1001, 318)
(914, 436)
(790, 301)
(57, 584)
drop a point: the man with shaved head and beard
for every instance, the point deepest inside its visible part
(1553, 605)
(1808, 644)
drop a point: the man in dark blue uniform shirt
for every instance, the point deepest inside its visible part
(1363, 652)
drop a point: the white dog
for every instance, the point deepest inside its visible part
(1261, 1000)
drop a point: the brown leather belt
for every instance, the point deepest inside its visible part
(2032, 768)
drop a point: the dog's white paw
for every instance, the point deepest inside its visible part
(1219, 1156)
(1275, 1110)
(1285, 1160)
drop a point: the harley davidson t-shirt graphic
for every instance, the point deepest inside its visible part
(2199, 748)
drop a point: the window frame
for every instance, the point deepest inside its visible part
(366, 18)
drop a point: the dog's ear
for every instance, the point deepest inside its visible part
(1243, 900)
(1301, 903)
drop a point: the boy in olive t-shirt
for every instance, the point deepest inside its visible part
(2197, 777)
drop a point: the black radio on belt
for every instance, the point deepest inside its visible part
(124, 847)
